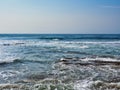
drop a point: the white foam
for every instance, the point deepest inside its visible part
(8, 73)
(82, 85)
(86, 85)
(93, 42)
(85, 46)
(100, 59)
(7, 59)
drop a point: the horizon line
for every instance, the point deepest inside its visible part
(59, 33)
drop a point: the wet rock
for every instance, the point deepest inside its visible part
(25, 81)
(13, 87)
(6, 44)
(113, 80)
(105, 86)
(37, 77)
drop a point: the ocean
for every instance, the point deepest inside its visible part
(59, 61)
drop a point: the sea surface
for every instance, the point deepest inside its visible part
(60, 61)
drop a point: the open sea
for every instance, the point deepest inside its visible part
(59, 61)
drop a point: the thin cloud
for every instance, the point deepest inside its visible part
(114, 7)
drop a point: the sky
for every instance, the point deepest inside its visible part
(60, 16)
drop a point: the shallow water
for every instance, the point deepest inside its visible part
(80, 62)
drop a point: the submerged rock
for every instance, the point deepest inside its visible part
(100, 85)
(25, 81)
(13, 87)
(37, 77)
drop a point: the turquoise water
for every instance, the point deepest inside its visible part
(37, 57)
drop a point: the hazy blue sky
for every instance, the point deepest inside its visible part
(59, 16)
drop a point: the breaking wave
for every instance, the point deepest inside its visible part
(8, 60)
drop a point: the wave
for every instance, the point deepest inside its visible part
(77, 52)
(90, 61)
(74, 46)
(92, 42)
(18, 60)
(12, 42)
(92, 38)
(101, 59)
(9, 60)
(55, 43)
(88, 74)
(51, 38)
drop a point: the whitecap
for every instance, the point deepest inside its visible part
(8, 60)
(101, 59)
(82, 85)
(84, 47)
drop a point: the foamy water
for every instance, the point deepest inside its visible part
(77, 62)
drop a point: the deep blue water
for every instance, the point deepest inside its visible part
(26, 54)
(60, 36)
